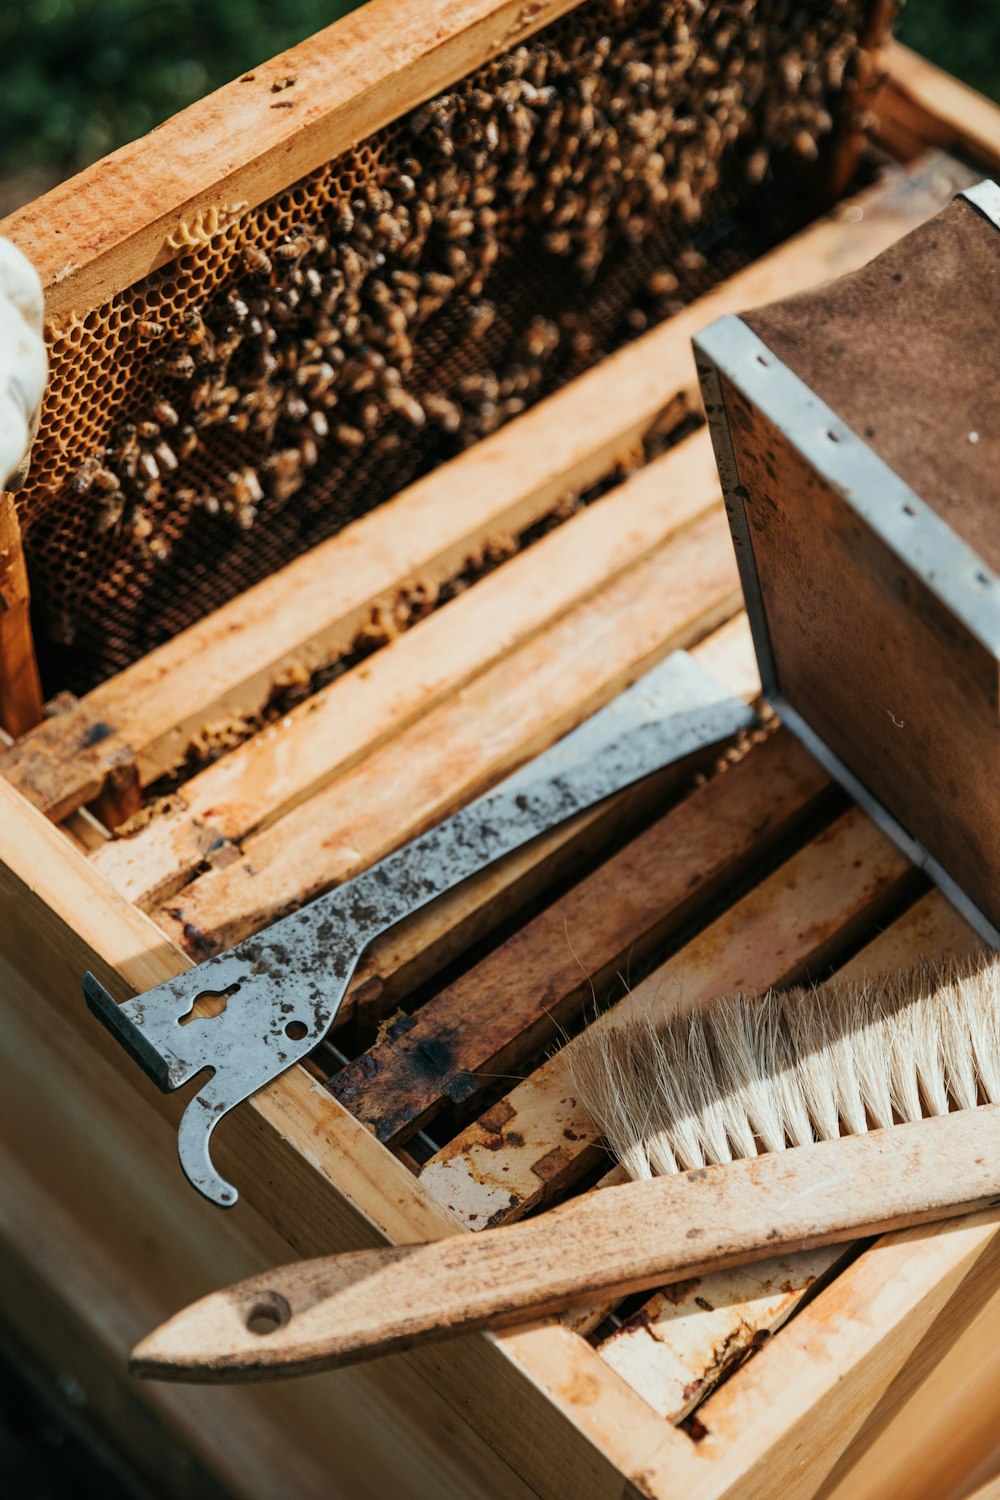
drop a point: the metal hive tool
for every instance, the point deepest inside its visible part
(285, 985)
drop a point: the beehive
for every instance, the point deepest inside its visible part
(299, 360)
(296, 732)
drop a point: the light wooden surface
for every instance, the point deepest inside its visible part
(509, 713)
(939, 1437)
(324, 737)
(138, 208)
(20, 688)
(96, 1227)
(920, 105)
(690, 1336)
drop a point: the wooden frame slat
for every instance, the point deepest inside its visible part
(920, 105)
(20, 686)
(509, 713)
(686, 1339)
(327, 734)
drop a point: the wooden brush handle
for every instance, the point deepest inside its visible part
(317, 1314)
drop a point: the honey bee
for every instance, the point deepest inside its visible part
(141, 524)
(237, 306)
(165, 456)
(244, 487)
(293, 248)
(180, 366)
(149, 328)
(443, 411)
(164, 413)
(256, 262)
(195, 329)
(110, 510)
(342, 217)
(313, 283)
(308, 451)
(283, 473)
(541, 338)
(92, 474)
(148, 541)
(294, 407)
(407, 406)
(481, 319)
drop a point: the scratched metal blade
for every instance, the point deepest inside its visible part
(285, 984)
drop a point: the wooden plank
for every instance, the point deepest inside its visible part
(870, 1330)
(941, 1437)
(226, 665)
(137, 209)
(779, 1425)
(513, 1001)
(20, 687)
(99, 1234)
(988, 1491)
(920, 105)
(538, 1139)
(687, 1338)
(503, 717)
(327, 734)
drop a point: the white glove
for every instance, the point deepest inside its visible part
(23, 362)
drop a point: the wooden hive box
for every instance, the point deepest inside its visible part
(862, 496)
(293, 734)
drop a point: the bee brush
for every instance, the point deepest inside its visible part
(755, 1125)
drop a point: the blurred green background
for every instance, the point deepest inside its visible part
(79, 77)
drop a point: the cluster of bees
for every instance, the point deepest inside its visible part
(573, 144)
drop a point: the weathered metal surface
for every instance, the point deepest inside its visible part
(951, 572)
(281, 988)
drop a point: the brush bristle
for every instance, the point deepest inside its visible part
(757, 1073)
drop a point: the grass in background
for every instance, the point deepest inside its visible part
(80, 77)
